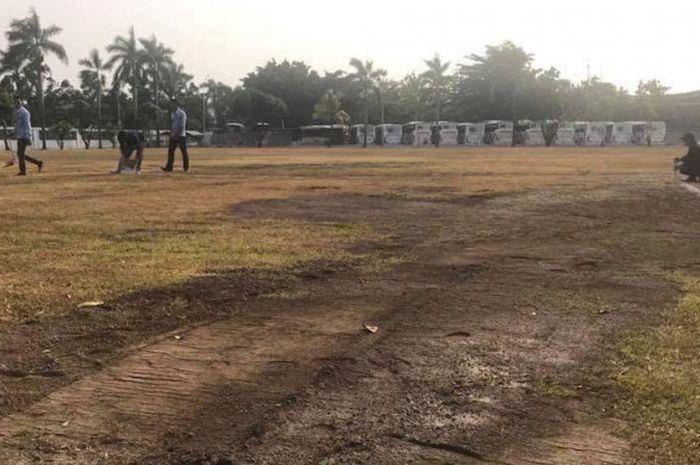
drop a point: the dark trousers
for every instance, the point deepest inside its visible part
(174, 144)
(693, 173)
(126, 155)
(22, 156)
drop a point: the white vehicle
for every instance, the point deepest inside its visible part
(623, 132)
(643, 132)
(417, 134)
(448, 133)
(388, 134)
(600, 133)
(531, 133)
(498, 133)
(357, 134)
(577, 133)
(470, 133)
(658, 132)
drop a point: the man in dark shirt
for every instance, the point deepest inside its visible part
(691, 162)
(130, 142)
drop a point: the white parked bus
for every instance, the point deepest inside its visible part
(448, 133)
(531, 133)
(642, 132)
(417, 134)
(388, 134)
(600, 133)
(357, 134)
(470, 133)
(498, 133)
(658, 132)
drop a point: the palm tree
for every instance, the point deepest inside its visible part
(126, 55)
(175, 80)
(438, 83)
(412, 94)
(156, 57)
(93, 73)
(367, 77)
(29, 44)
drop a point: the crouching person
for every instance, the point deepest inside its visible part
(130, 142)
(690, 164)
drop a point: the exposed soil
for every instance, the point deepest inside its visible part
(496, 317)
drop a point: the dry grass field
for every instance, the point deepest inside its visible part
(533, 305)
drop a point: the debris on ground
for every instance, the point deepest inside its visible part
(91, 304)
(371, 329)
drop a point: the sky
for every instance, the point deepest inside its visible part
(620, 41)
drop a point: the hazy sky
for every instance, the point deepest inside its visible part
(621, 41)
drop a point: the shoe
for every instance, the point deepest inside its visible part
(40, 165)
(115, 172)
(21, 174)
(165, 170)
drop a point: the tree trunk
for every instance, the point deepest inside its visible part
(135, 94)
(42, 113)
(364, 143)
(514, 108)
(99, 111)
(381, 102)
(158, 115)
(437, 125)
(119, 112)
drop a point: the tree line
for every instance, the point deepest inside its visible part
(129, 83)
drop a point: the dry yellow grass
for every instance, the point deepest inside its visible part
(77, 233)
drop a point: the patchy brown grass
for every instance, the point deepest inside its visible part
(76, 233)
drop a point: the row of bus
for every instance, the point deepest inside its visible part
(501, 133)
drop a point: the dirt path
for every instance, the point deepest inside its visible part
(494, 324)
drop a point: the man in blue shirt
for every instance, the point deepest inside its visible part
(178, 138)
(23, 133)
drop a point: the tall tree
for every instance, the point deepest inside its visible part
(126, 56)
(438, 83)
(295, 83)
(29, 44)
(328, 110)
(156, 57)
(94, 82)
(368, 79)
(504, 69)
(412, 94)
(175, 80)
(650, 93)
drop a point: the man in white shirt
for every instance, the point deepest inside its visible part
(178, 138)
(23, 133)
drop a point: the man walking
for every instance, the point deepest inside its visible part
(178, 138)
(23, 133)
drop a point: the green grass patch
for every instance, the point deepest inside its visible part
(660, 380)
